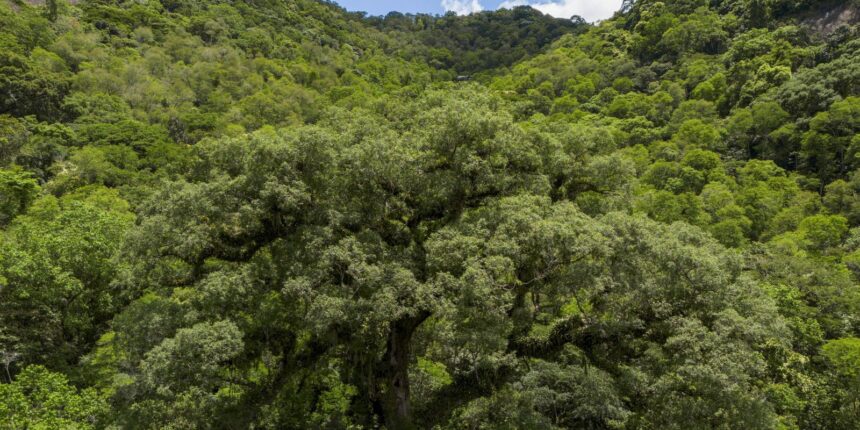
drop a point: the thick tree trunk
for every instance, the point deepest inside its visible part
(397, 408)
(398, 413)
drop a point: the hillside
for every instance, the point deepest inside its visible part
(481, 42)
(282, 215)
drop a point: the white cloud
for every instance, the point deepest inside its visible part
(462, 7)
(591, 10)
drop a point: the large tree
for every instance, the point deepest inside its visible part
(313, 269)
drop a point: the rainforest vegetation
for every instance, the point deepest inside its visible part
(277, 214)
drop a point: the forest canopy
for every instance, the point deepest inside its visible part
(283, 215)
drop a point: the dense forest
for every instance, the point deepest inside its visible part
(277, 214)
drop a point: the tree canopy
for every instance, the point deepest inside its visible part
(277, 215)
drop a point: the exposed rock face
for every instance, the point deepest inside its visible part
(826, 23)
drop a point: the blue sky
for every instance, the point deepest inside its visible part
(591, 10)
